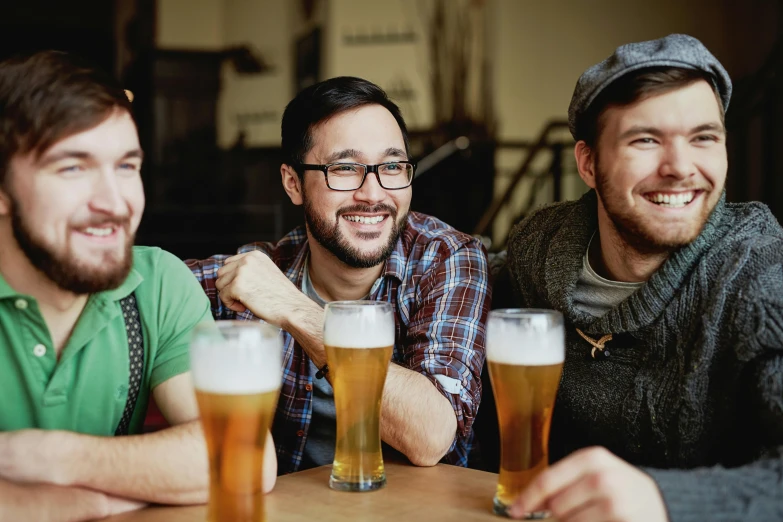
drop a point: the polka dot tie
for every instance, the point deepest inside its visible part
(130, 312)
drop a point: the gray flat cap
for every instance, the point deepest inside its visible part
(675, 50)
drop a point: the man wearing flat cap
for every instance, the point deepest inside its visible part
(671, 401)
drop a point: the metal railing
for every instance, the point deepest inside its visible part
(542, 145)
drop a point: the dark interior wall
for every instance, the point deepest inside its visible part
(85, 27)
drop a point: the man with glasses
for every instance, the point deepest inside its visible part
(347, 163)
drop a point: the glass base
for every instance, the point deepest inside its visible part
(365, 485)
(501, 509)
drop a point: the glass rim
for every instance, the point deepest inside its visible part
(524, 312)
(345, 305)
(227, 324)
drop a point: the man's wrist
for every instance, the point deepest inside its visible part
(295, 312)
(63, 453)
(78, 503)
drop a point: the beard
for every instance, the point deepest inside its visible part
(331, 237)
(66, 271)
(643, 233)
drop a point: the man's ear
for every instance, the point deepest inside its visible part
(585, 163)
(291, 184)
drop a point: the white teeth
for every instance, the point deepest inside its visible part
(100, 232)
(366, 220)
(672, 200)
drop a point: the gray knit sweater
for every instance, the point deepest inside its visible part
(693, 388)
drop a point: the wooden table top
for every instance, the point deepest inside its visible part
(442, 492)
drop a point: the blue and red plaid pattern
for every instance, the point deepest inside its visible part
(437, 280)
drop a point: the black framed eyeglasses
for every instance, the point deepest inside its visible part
(392, 175)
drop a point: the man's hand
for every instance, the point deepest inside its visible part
(58, 504)
(593, 485)
(252, 281)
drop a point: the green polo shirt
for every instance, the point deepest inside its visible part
(86, 390)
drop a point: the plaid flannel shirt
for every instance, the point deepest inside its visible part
(437, 281)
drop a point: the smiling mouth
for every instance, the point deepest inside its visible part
(99, 232)
(672, 199)
(365, 220)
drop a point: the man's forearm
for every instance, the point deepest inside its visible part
(416, 419)
(306, 325)
(46, 503)
(168, 467)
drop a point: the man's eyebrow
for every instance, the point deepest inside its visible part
(63, 154)
(709, 127)
(395, 152)
(640, 129)
(82, 155)
(654, 131)
(343, 154)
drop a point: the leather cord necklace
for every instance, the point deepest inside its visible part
(599, 351)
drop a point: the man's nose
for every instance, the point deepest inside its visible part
(371, 190)
(107, 196)
(677, 161)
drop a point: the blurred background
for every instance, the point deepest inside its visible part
(483, 84)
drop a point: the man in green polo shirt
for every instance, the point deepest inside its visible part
(90, 326)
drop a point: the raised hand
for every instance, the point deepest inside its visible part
(252, 281)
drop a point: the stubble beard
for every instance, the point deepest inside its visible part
(644, 235)
(331, 237)
(66, 272)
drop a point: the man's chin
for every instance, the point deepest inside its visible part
(668, 239)
(95, 274)
(359, 238)
(91, 282)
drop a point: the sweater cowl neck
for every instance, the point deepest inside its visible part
(564, 264)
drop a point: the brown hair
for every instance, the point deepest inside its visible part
(636, 86)
(48, 96)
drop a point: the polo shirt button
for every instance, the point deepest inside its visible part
(39, 350)
(20, 304)
(300, 433)
(309, 387)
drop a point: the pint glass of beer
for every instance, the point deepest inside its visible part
(359, 339)
(525, 352)
(237, 371)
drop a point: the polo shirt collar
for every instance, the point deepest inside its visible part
(98, 312)
(127, 287)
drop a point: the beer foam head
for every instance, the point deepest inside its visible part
(525, 337)
(247, 359)
(362, 324)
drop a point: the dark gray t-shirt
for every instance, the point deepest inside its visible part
(596, 295)
(319, 448)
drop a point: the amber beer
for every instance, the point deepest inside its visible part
(359, 340)
(237, 374)
(525, 352)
